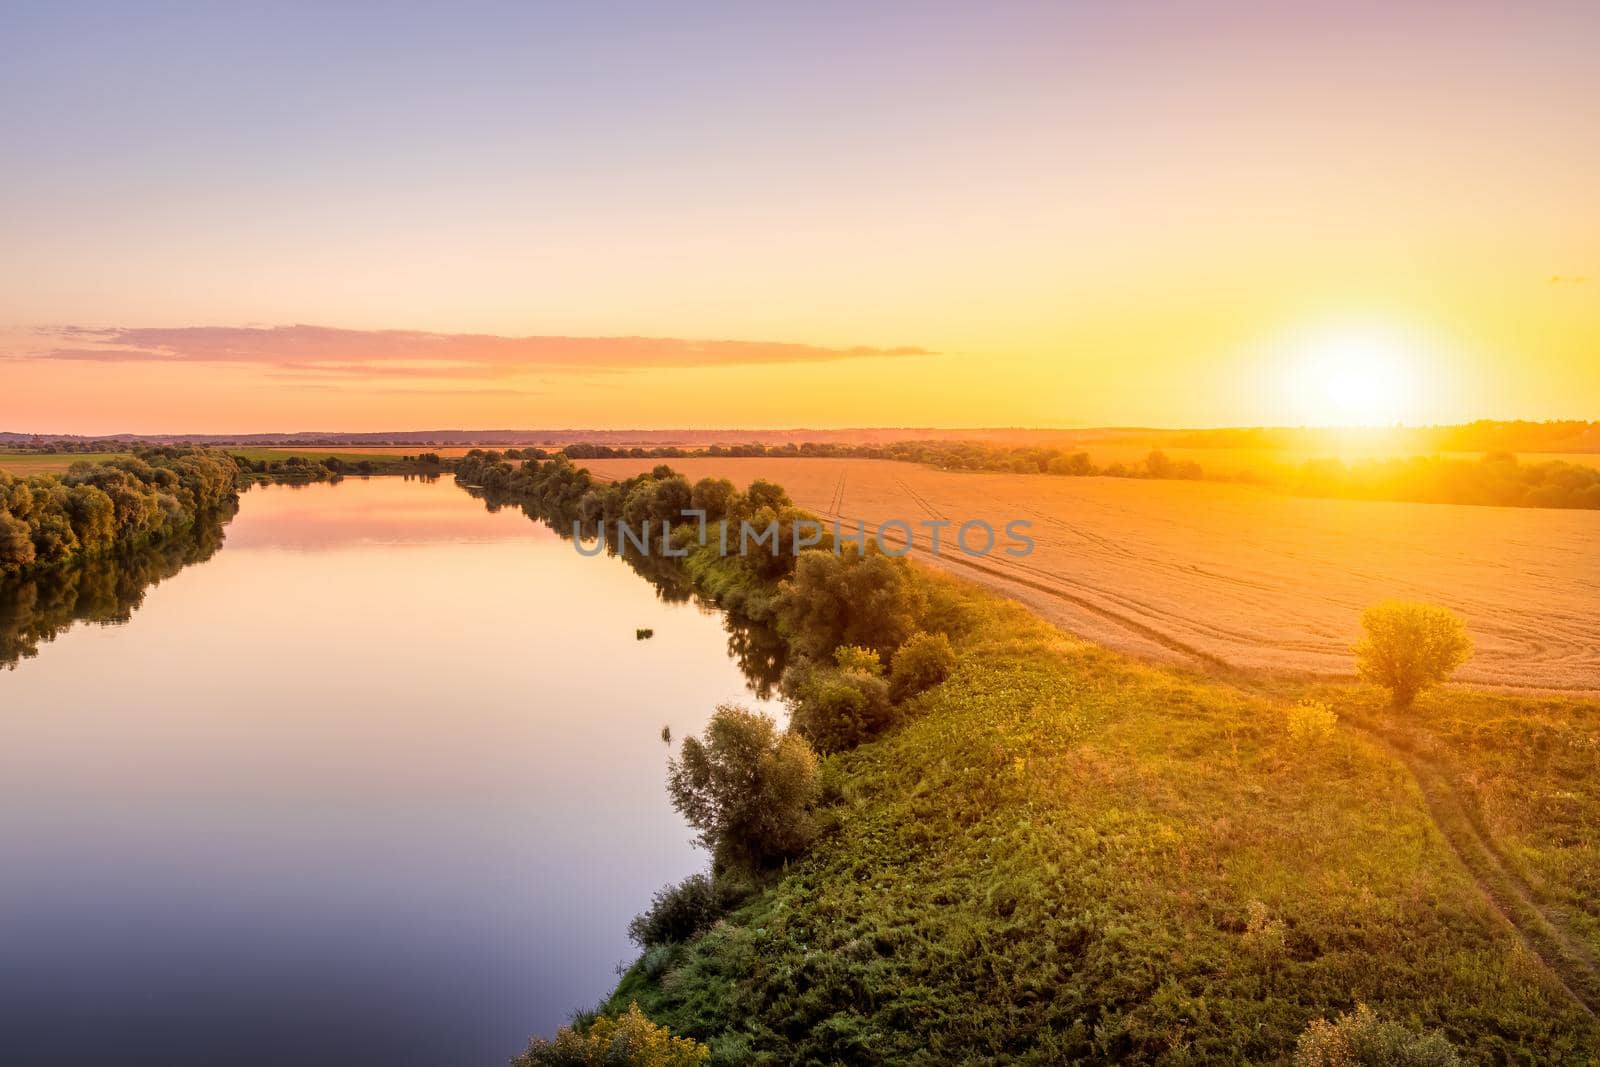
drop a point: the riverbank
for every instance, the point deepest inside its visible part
(1061, 853)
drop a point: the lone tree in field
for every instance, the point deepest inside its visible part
(1409, 647)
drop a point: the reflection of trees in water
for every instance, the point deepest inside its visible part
(755, 647)
(107, 590)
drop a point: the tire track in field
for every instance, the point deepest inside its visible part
(1055, 585)
(1149, 633)
(838, 492)
(1542, 928)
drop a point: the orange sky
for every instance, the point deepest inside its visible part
(1218, 215)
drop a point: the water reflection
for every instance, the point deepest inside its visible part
(755, 646)
(38, 608)
(381, 783)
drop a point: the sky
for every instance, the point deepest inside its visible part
(335, 216)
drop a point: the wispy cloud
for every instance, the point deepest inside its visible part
(327, 353)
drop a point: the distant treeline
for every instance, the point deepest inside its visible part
(1481, 436)
(1484, 435)
(1499, 478)
(1496, 479)
(953, 455)
(294, 468)
(93, 509)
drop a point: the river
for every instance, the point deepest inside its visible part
(378, 782)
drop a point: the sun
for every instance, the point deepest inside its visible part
(1352, 376)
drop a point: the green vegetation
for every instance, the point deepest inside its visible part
(1061, 855)
(678, 913)
(272, 464)
(1054, 854)
(1361, 1039)
(39, 606)
(94, 509)
(1410, 647)
(921, 663)
(747, 788)
(20, 464)
(625, 1040)
(838, 708)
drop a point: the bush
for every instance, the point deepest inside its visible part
(1311, 723)
(1362, 1039)
(627, 1040)
(746, 788)
(680, 912)
(846, 598)
(921, 663)
(856, 658)
(837, 710)
(1409, 647)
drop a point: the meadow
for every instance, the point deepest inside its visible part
(1067, 856)
(22, 464)
(1226, 577)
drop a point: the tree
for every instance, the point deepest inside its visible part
(717, 497)
(765, 494)
(848, 599)
(746, 788)
(627, 1040)
(16, 547)
(1409, 647)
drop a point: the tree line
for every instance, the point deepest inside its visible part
(1498, 478)
(95, 508)
(42, 604)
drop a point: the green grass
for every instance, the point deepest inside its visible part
(1066, 855)
(21, 464)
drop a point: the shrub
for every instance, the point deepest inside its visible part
(746, 788)
(657, 960)
(680, 912)
(846, 598)
(921, 663)
(1361, 1039)
(1311, 723)
(1409, 647)
(856, 658)
(627, 1040)
(837, 710)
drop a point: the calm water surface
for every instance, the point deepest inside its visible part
(380, 782)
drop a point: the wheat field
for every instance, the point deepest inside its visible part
(1224, 576)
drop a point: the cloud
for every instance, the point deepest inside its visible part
(325, 353)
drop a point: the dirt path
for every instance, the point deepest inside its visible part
(1542, 926)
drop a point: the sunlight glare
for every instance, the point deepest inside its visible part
(1353, 376)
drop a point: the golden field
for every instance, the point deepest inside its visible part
(1224, 576)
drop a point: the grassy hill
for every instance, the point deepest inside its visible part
(1066, 855)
